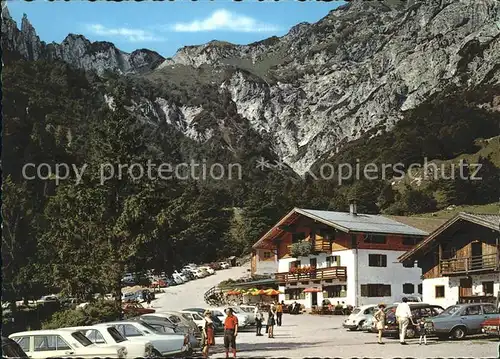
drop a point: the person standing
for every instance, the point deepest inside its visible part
(403, 316)
(259, 318)
(279, 313)
(421, 330)
(230, 332)
(379, 317)
(149, 297)
(208, 332)
(270, 323)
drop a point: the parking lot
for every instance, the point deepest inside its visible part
(323, 336)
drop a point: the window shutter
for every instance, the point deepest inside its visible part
(364, 290)
(384, 260)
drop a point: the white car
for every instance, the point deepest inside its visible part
(48, 299)
(243, 319)
(208, 269)
(198, 273)
(224, 265)
(251, 310)
(359, 316)
(177, 278)
(106, 334)
(166, 344)
(195, 317)
(64, 343)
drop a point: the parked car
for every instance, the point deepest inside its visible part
(66, 343)
(48, 299)
(106, 334)
(491, 327)
(461, 320)
(168, 327)
(10, 349)
(224, 265)
(215, 266)
(177, 318)
(188, 274)
(358, 316)
(418, 311)
(167, 345)
(194, 316)
(247, 310)
(159, 283)
(218, 325)
(136, 308)
(208, 269)
(369, 325)
(198, 273)
(220, 313)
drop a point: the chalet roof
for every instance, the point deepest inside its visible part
(486, 220)
(343, 221)
(425, 224)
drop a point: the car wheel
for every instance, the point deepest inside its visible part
(410, 333)
(360, 325)
(458, 333)
(156, 354)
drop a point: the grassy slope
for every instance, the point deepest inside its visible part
(492, 208)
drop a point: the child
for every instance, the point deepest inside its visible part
(421, 329)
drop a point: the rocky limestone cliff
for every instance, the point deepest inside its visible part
(75, 49)
(363, 65)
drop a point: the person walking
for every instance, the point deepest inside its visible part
(259, 318)
(270, 323)
(403, 316)
(421, 330)
(230, 332)
(208, 332)
(149, 297)
(279, 313)
(379, 317)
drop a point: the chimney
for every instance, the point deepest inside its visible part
(352, 208)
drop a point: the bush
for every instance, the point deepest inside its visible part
(301, 249)
(94, 313)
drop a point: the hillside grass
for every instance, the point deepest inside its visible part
(492, 208)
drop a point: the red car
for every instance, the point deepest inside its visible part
(159, 283)
(136, 308)
(491, 327)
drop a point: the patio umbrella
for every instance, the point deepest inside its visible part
(312, 290)
(272, 292)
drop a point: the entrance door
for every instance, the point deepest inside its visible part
(314, 298)
(477, 254)
(465, 287)
(313, 263)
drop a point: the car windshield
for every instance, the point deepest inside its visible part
(356, 311)
(117, 337)
(153, 329)
(451, 310)
(82, 339)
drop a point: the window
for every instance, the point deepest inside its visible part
(370, 310)
(131, 331)
(377, 260)
(411, 241)
(115, 334)
(294, 264)
(24, 343)
(376, 239)
(13, 350)
(174, 319)
(408, 288)
(267, 255)
(439, 291)
(473, 310)
(197, 317)
(375, 290)
(95, 337)
(488, 288)
(489, 309)
(333, 261)
(50, 343)
(409, 264)
(419, 288)
(335, 291)
(294, 294)
(327, 234)
(297, 237)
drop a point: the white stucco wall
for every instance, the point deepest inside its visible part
(452, 288)
(394, 274)
(262, 266)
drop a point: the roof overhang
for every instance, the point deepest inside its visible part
(462, 216)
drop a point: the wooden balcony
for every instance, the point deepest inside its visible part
(472, 264)
(330, 273)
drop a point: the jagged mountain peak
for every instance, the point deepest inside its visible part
(75, 49)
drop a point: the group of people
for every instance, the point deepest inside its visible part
(403, 317)
(274, 317)
(230, 332)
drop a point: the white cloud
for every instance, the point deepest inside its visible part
(132, 35)
(225, 20)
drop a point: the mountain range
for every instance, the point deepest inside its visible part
(354, 73)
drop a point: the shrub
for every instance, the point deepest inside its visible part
(94, 313)
(301, 249)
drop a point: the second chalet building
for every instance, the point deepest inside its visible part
(341, 256)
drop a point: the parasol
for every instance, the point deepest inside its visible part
(312, 290)
(272, 292)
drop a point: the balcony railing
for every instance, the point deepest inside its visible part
(470, 264)
(322, 245)
(338, 273)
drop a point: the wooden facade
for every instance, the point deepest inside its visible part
(464, 248)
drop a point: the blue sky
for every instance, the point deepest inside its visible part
(167, 26)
